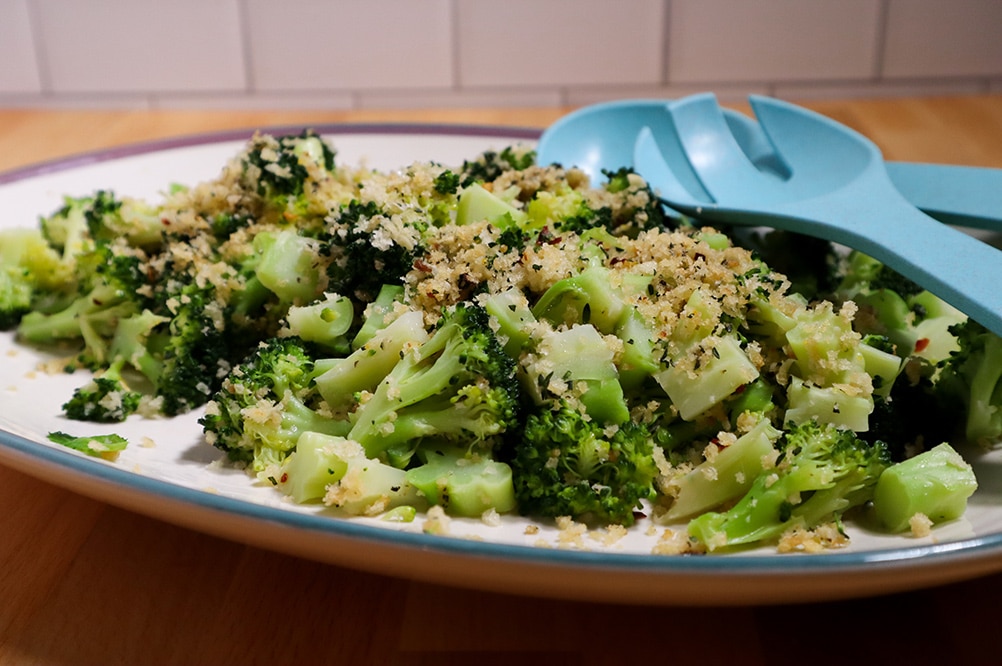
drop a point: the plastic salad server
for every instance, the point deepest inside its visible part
(835, 187)
(601, 136)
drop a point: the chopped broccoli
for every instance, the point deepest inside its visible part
(935, 484)
(336, 470)
(457, 386)
(110, 288)
(822, 471)
(360, 264)
(490, 164)
(565, 464)
(265, 404)
(972, 376)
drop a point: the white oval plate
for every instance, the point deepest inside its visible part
(169, 473)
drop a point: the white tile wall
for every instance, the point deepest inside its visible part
(125, 46)
(772, 40)
(928, 38)
(458, 53)
(18, 66)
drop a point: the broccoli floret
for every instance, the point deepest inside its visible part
(196, 351)
(106, 398)
(33, 275)
(565, 464)
(458, 386)
(265, 404)
(972, 376)
(284, 173)
(811, 264)
(336, 470)
(282, 165)
(360, 265)
(447, 182)
(822, 472)
(490, 164)
(111, 287)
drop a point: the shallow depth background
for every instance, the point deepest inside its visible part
(359, 54)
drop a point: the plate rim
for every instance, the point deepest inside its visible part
(976, 555)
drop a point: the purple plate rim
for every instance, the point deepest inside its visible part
(90, 157)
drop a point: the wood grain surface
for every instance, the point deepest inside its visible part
(82, 582)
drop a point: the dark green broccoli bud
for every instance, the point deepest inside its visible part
(972, 377)
(490, 164)
(447, 182)
(822, 472)
(360, 266)
(196, 351)
(565, 464)
(280, 166)
(104, 399)
(810, 264)
(16, 294)
(459, 386)
(266, 403)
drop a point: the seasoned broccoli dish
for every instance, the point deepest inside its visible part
(501, 336)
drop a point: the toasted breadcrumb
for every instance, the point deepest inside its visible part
(921, 525)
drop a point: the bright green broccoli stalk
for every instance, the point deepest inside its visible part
(565, 464)
(463, 482)
(933, 485)
(265, 404)
(822, 472)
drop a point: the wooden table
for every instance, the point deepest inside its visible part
(84, 582)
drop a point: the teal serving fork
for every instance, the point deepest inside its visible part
(832, 184)
(601, 137)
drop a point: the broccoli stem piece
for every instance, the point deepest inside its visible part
(728, 475)
(695, 391)
(325, 322)
(337, 471)
(935, 483)
(463, 484)
(376, 313)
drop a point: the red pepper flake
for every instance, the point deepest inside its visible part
(921, 344)
(284, 478)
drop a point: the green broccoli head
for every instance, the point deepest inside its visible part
(565, 464)
(972, 377)
(266, 403)
(487, 166)
(281, 166)
(361, 261)
(822, 472)
(458, 386)
(110, 285)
